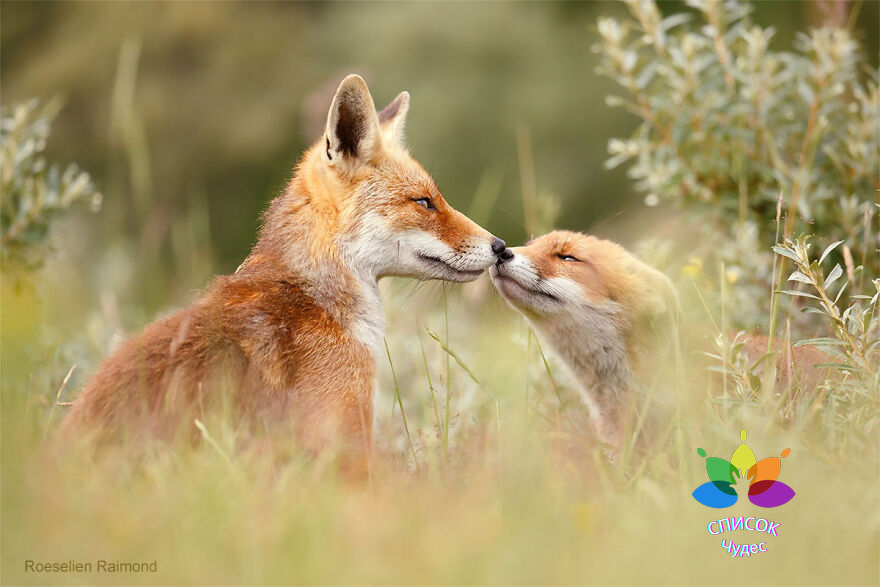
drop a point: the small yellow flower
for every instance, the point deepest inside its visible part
(693, 268)
(582, 513)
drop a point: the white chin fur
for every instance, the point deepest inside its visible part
(519, 283)
(434, 259)
(419, 255)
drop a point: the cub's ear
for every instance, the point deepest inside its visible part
(392, 118)
(352, 134)
(658, 294)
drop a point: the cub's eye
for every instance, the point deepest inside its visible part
(424, 203)
(568, 258)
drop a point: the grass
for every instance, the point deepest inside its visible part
(484, 473)
(480, 479)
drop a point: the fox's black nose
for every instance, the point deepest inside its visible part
(504, 256)
(498, 246)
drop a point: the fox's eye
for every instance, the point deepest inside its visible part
(568, 258)
(424, 203)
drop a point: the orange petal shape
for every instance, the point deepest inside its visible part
(765, 470)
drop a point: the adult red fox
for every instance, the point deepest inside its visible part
(296, 329)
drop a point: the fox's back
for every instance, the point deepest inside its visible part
(260, 336)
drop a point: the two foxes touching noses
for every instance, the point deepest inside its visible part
(296, 330)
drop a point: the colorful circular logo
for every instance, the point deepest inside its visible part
(764, 489)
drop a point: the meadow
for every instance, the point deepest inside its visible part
(509, 497)
(765, 219)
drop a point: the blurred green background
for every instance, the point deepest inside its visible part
(190, 116)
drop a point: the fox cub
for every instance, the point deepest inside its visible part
(613, 320)
(595, 305)
(295, 331)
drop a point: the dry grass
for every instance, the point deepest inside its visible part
(510, 496)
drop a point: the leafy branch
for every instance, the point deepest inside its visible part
(856, 328)
(34, 191)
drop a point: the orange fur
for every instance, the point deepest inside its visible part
(796, 366)
(598, 306)
(294, 331)
(595, 305)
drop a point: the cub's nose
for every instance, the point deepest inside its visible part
(498, 246)
(504, 256)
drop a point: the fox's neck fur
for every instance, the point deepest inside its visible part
(596, 351)
(309, 233)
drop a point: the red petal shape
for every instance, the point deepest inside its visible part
(764, 470)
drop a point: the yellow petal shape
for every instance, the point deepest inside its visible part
(743, 458)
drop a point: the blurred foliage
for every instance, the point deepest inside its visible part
(847, 391)
(34, 191)
(729, 127)
(185, 108)
(191, 116)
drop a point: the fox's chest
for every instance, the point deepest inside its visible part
(305, 358)
(367, 321)
(296, 337)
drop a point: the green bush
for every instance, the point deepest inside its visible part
(34, 191)
(745, 137)
(854, 349)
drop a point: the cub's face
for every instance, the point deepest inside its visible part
(551, 275)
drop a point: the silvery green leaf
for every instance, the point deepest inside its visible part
(615, 161)
(629, 60)
(645, 76)
(832, 277)
(785, 252)
(828, 249)
(798, 276)
(841, 366)
(819, 341)
(840, 293)
(802, 294)
(674, 20)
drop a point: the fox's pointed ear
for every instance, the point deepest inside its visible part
(352, 132)
(392, 118)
